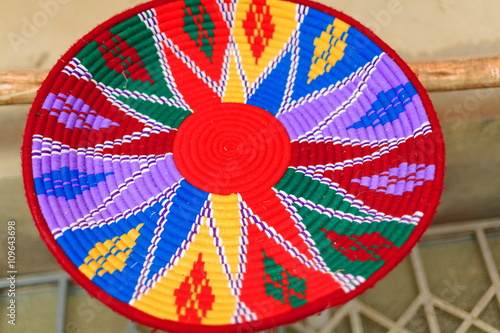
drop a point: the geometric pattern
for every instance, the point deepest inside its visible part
(194, 296)
(283, 286)
(329, 48)
(349, 170)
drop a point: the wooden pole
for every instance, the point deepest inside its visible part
(20, 87)
(437, 75)
(459, 73)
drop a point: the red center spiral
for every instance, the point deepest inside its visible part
(234, 148)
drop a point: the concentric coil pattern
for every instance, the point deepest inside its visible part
(211, 162)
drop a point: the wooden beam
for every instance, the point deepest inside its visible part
(459, 73)
(436, 75)
(20, 87)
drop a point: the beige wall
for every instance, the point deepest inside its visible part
(36, 32)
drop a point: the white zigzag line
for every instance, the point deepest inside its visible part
(151, 98)
(94, 218)
(207, 213)
(306, 237)
(377, 216)
(239, 66)
(163, 272)
(294, 57)
(425, 128)
(348, 282)
(152, 24)
(148, 121)
(150, 127)
(234, 279)
(362, 72)
(251, 88)
(227, 15)
(142, 282)
(56, 148)
(304, 234)
(315, 132)
(292, 72)
(291, 199)
(384, 148)
(131, 158)
(217, 87)
(178, 254)
(75, 68)
(242, 309)
(225, 70)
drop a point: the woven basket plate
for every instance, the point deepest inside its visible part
(220, 165)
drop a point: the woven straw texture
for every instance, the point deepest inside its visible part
(231, 165)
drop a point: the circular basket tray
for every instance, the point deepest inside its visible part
(219, 165)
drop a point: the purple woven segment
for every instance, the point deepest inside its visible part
(129, 182)
(54, 221)
(399, 180)
(135, 183)
(51, 102)
(74, 113)
(41, 149)
(333, 114)
(309, 112)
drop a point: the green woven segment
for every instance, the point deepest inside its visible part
(281, 285)
(318, 223)
(299, 185)
(199, 26)
(393, 231)
(136, 65)
(168, 115)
